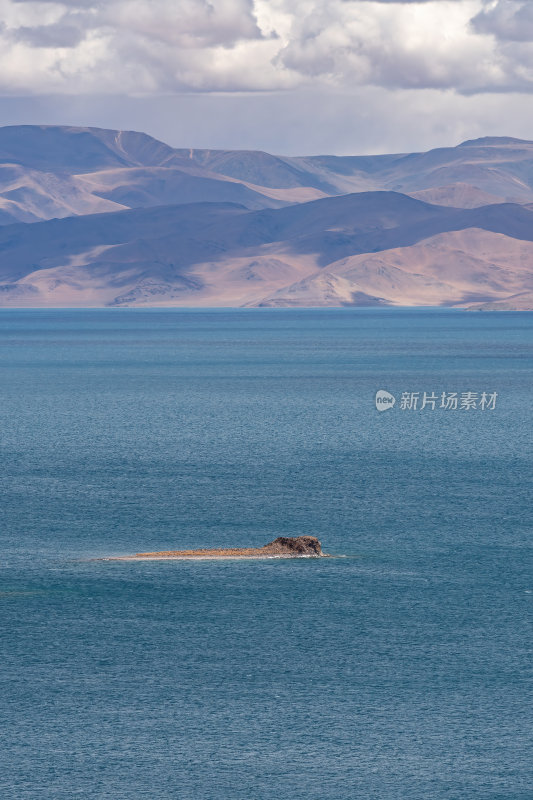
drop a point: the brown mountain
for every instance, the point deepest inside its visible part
(118, 218)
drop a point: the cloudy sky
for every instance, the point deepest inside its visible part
(288, 76)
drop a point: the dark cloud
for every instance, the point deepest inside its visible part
(507, 20)
(397, 2)
(59, 35)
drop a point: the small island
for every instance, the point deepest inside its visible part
(282, 547)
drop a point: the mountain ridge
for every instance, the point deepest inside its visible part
(94, 216)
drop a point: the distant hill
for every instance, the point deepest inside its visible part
(99, 217)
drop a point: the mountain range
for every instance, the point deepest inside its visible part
(93, 217)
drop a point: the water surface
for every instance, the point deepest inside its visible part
(402, 670)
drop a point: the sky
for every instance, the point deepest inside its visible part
(294, 77)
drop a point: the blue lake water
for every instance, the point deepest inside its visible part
(401, 671)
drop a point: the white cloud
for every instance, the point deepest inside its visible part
(168, 46)
(423, 45)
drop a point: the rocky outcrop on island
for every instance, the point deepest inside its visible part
(282, 547)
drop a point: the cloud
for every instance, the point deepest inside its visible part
(408, 45)
(150, 47)
(57, 35)
(506, 20)
(134, 46)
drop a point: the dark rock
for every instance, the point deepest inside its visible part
(298, 545)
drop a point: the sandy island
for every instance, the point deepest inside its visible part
(282, 547)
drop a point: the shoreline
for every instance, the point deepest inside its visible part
(282, 547)
(260, 557)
